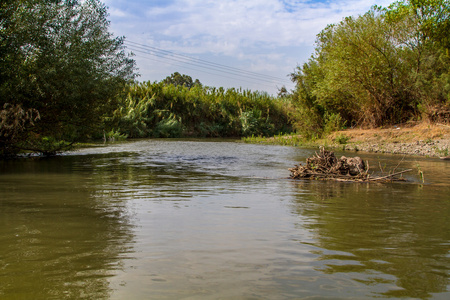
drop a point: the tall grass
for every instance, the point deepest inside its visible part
(160, 110)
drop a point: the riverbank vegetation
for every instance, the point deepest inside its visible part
(388, 66)
(166, 110)
(61, 72)
(64, 78)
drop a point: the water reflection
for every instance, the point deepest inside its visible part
(59, 236)
(209, 220)
(392, 238)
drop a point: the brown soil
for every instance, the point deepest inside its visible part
(412, 132)
(410, 138)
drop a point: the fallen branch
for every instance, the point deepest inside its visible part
(325, 166)
(390, 176)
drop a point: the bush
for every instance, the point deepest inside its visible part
(342, 139)
(333, 122)
(168, 128)
(165, 110)
(373, 70)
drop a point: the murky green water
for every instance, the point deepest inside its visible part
(163, 219)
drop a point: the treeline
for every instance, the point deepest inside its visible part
(165, 109)
(388, 66)
(61, 72)
(64, 78)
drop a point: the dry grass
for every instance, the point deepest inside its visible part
(404, 133)
(424, 139)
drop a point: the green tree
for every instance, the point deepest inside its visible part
(58, 59)
(178, 79)
(433, 17)
(309, 114)
(384, 67)
(367, 69)
(431, 44)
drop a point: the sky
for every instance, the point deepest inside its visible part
(248, 44)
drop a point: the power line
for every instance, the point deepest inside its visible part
(172, 56)
(197, 60)
(215, 74)
(201, 66)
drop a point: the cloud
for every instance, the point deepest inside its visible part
(228, 25)
(263, 35)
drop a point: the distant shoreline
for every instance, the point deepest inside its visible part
(421, 139)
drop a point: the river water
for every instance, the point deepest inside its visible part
(212, 219)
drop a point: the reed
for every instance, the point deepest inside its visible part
(155, 109)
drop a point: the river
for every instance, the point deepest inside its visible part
(217, 219)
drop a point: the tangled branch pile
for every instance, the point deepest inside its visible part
(324, 165)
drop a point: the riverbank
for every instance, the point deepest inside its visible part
(423, 139)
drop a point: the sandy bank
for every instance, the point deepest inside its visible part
(424, 139)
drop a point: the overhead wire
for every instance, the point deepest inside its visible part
(171, 57)
(203, 71)
(171, 61)
(205, 62)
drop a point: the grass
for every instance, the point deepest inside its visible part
(280, 139)
(342, 139)
(443, 151)
(296, 140)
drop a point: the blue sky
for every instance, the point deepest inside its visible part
(253, 44)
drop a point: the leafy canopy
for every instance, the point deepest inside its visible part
(387, 66)
(178, 79)
(57, 58)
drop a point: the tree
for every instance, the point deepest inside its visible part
(368, 69)
(58, 60)
(431, 43)
(387, 66)
(282, 92)
(178, 79)
(433, 17)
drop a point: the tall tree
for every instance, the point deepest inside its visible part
(366, 64)
(386, 66)
(178, 79)
(58, 60)
(431, 44)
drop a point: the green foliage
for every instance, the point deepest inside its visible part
(333, 122)
(384, 67)
(253, 124)
(165, 110)
(58, 58)
(280, 139)
(433, 18)
(170, 127)
(342, 139)
(420, 173)
(181, 79)
(113, 136)
(48, 146)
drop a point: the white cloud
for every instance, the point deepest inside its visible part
(250, 22)
(262, 35)
(118, 13)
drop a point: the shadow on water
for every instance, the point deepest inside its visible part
(68, 223)
(60, 236)
(393, 238)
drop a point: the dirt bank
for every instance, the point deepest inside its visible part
(424, 139)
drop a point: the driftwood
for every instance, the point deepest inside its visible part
(325, 166)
